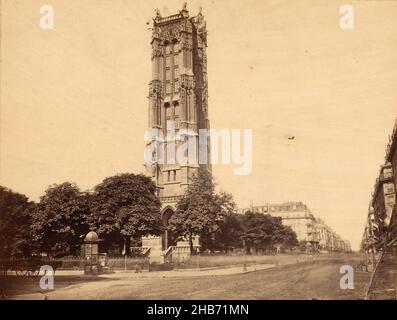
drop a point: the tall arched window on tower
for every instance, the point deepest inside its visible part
(167, 114)
(176, 66)
(168, 66)
(176, 79)
(171, 67)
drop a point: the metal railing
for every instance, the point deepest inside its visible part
(170, 198)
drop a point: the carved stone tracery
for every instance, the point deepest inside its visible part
(155, 89)
(170, 32)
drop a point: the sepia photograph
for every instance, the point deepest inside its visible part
(207, 150)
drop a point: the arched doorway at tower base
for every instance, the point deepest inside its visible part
(167, 238)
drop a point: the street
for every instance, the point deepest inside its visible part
(311, 279)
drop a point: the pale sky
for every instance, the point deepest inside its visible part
(74, 99)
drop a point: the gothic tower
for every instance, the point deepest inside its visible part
(178, 103)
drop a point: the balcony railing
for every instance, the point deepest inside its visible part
(170, 18)
(170, 198)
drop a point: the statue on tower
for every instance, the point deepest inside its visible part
(184, 10)
(200, 22)
(158, 14)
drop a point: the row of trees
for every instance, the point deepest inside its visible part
(212, 216)
(122, 207)
(125, 207)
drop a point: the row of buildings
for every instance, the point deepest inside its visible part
(380, 225)
(310, 230)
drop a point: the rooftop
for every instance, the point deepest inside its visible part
(183, 13)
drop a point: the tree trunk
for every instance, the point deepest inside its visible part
(128, 246)
(191, 244)
(121, 246)
(125, 246)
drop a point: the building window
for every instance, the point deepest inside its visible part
(176, 79)
(167, 74)
(176, 85)
(171, 69)
(167, 115)
(171, 175)
(176, 61)
(176, 72)
(168, 61)
(176, 110)
(168, 87)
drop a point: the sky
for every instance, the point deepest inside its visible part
(74, 99)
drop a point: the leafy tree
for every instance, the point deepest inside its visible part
(230, 233)
(262, 232)
(60, 219)
(201, 211)
(125, 206)
(282, 235)
(257, 231)
(15, 237)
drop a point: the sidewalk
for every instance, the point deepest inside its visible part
(205, 272)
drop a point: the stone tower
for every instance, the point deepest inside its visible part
(178, 104)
